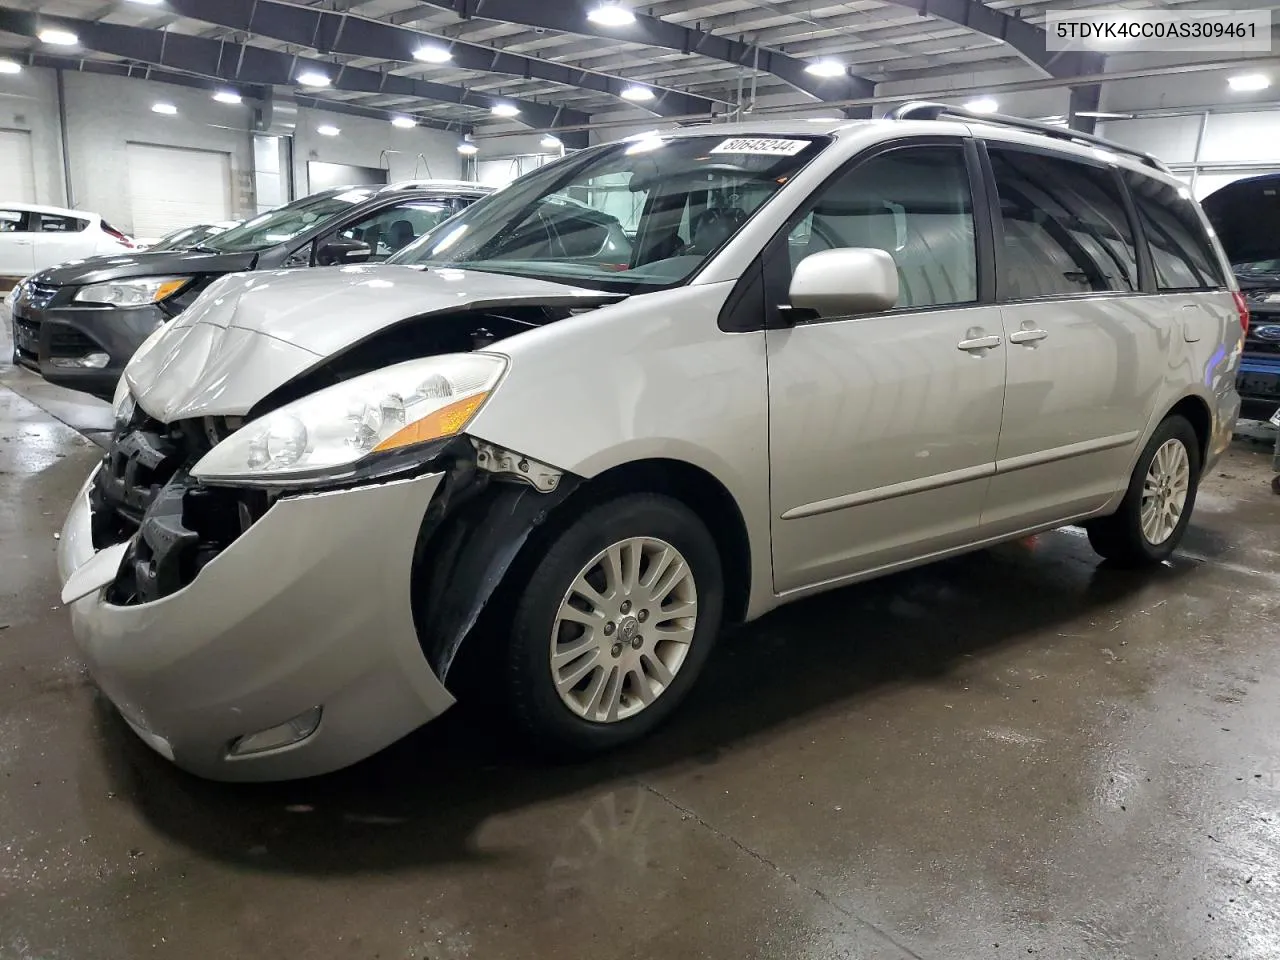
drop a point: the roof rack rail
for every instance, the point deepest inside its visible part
(926, 110)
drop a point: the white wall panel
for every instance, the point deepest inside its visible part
(17, 169)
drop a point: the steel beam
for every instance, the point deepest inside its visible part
(1025, 39)
(244, 63)
(570, 16)
(356, 36)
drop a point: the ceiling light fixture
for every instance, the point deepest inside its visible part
(327, 130)
(404, 123)
(313, 78)
(227, 96)
(1104, 115)
(433, 54)
(149, 3)
(468, 149)
(982, 105)
(58, 38)
(1244, 82)
(551, 142)
(611, 15)
(504, 110)
(9, 66)
(168, 109)
(826, 68)
(636, 93)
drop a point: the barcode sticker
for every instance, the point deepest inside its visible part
(766, 146)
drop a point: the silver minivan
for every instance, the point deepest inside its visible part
(654, 388)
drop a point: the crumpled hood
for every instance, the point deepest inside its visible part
(248, 334)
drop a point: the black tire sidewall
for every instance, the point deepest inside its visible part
(537, 704)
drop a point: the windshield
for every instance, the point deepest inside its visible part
(186, 238)
(626, 217)
(1257, 268)
(285, 223)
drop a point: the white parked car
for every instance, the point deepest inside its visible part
(35, 237)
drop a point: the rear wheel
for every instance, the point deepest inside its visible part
(614, 625)
(1157, 506)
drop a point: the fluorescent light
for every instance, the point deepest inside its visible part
(504, 110)
(1242, 82)
(58, 38)
(433, 54)
(468, 149)
(637, 93)
(227, 96)
(168, 109)
(826, 68)
(313, 78)
(611, 15)
(149, 3)
(327, 130)
(404, 123)
(982, 105)
(551, 142)
(1104, 115)
(8, 66)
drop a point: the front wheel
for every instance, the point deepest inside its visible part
(1157, 506)
(614, 625)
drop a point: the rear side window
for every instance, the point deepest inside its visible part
(1181, 251)
(1065, 228)
(54, 223)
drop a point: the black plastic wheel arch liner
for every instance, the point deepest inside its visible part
(474, 531)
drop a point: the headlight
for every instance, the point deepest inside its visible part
(137, 292)
(122, 403)
(12, 297)
(330, 433)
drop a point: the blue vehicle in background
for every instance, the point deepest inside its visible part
(1246, 216)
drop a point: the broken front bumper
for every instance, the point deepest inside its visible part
(309, 607)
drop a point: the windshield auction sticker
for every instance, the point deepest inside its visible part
(765, 146)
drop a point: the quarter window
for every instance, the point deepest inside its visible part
(1181, 250)
(1065, 228)
(913, 203)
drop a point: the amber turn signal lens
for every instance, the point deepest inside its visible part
(444, 422)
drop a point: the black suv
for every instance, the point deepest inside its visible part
(77, 324)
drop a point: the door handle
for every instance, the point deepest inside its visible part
(1027, 336)
(975, 344)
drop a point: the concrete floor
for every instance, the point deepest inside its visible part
(1017, 753)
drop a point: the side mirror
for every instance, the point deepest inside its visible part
(836, 283)
(335, 252)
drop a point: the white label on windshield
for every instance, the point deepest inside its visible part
(766, 146)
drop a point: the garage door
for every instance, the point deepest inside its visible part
(17, 174)
(170, 187)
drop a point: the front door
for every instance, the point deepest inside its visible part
(17, 243)
(883, 428)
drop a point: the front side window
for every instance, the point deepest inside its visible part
(391, 230)
(285, 223)
(915, 204)
(1181, 251)
(1065, 228)
(628, 217)
(14, 221)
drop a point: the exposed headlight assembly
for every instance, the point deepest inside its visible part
(334, 433)
(136, 292)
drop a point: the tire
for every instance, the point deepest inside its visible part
(659, 524)
(1120, 537)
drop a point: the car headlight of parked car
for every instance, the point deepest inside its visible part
(332, 433)
(136, 292)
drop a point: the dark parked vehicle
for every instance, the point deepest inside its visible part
(1246, 216)
(77, 324)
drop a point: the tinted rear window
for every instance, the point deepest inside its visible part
(1181, 251)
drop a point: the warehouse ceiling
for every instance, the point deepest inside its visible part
(548, 60)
